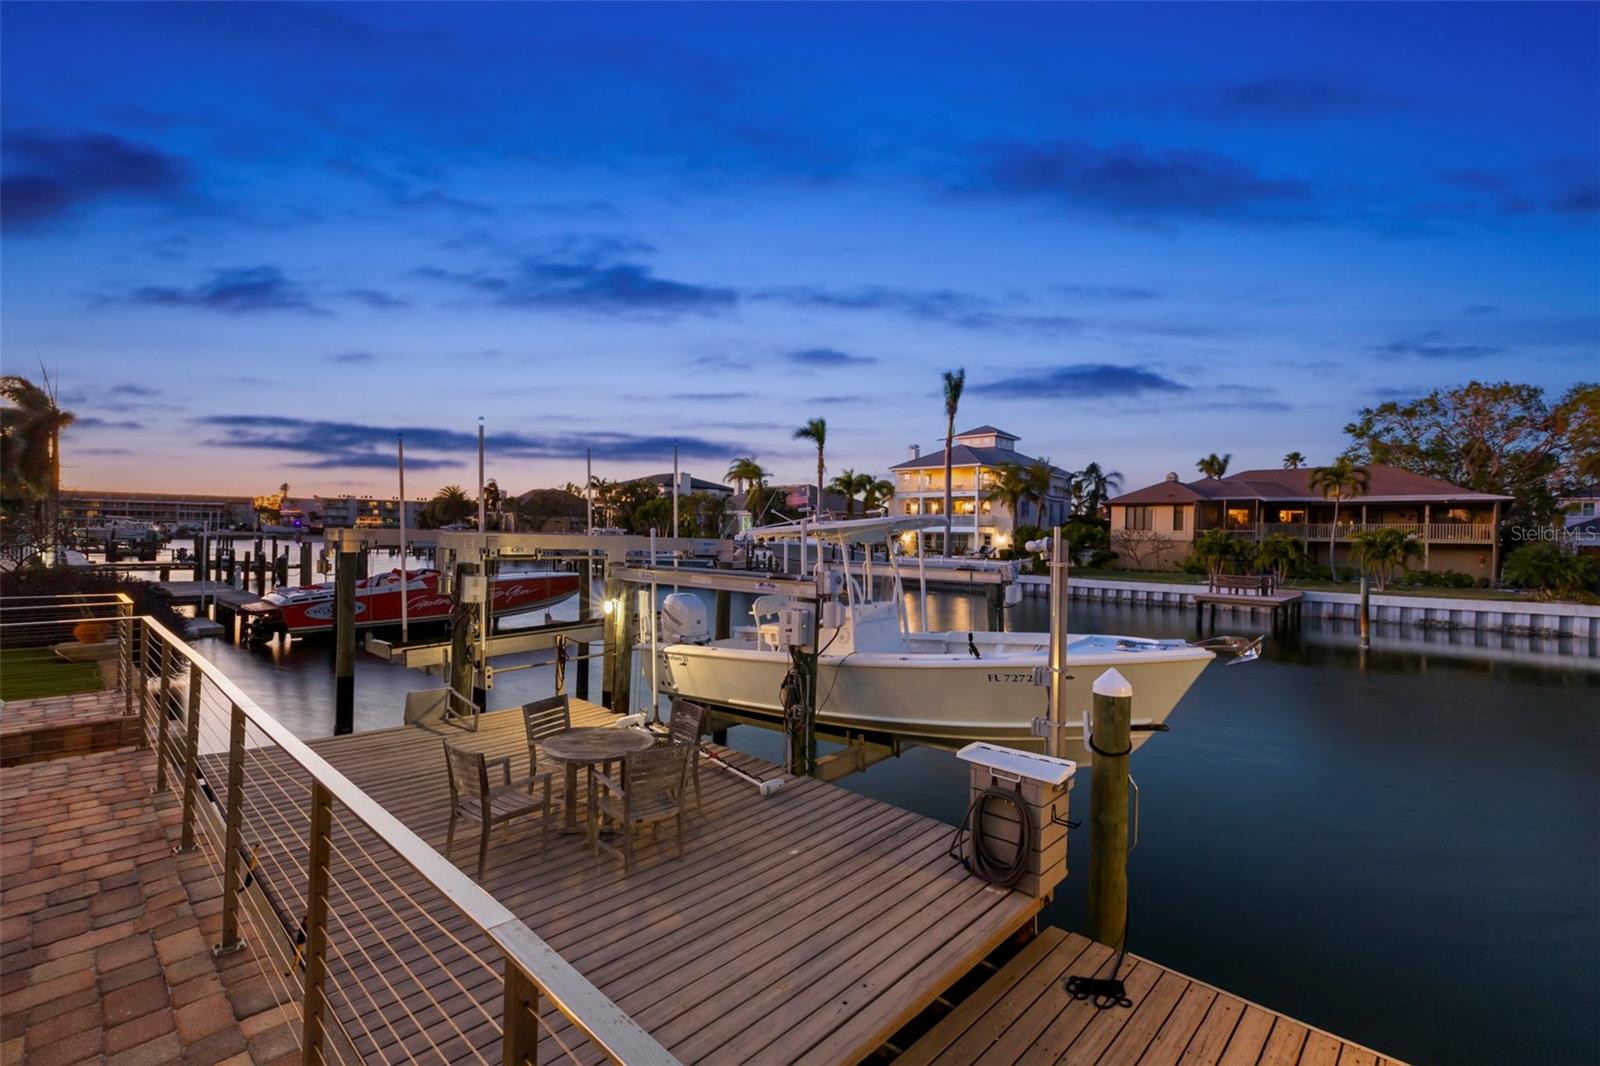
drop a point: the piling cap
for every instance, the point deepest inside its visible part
(1112, 683)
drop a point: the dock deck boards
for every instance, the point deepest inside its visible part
(1023, 1014)
(808, 926)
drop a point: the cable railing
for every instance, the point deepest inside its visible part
(69, 645)
(384, 948)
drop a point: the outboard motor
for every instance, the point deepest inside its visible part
(683, 619)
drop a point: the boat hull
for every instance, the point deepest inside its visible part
(377, 602)
(944, 700)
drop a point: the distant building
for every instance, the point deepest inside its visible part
(687, 484)
(800, 500)
(87, 507)
(367, 512)
(1581, 505)
(976, 457)
(1154, 528)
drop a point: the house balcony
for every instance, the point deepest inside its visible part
(1431, 532)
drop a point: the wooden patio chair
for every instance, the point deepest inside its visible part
(686, 726)
(471, 796)
(545, 718)
(654, 793)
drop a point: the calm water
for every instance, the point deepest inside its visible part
(1404, 850)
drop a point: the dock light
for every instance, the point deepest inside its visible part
(608, 606)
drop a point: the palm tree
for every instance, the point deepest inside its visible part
(847, 484)
(451, 505)
(1280, 553)
(1220, 552)
(1214, 465)
(747, 473)
(1293, 461)
(816, 431)
(1093, 487)
(30, 448)
(1010, 487)
(1339, 479)
(1384, 552)
(876, 494)
(953, 384)
(1039, 475)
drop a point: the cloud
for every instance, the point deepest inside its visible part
(101, 423)
(721, 362)
(1291, 97)
(331, 445)
(236, 291)
(589, 274)
(1106, 292)
(49, 176)
(1134, 181)
(827, 357)
(1080, 381)
(376, 299)
(1432, 345)
(964, 310)
(352, 358)
(131, 389)
(1481, 309)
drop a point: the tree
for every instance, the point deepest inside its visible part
(954, 383)
(816, 431)
(1550, 570)
(30, 453)
(1091, 488)
(1280, 553)
(877, 494)
(1214, 465)
(1139, 549)
(747, 474)
(850, 484)
(1009, 488)
(1502, 438)
(1338, 480)
(1294, 461)
(1384, 552)
(449, 506)
(1222, 552)
(1039, 475)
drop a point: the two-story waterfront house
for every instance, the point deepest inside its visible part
(976, 457)
(1456, 527)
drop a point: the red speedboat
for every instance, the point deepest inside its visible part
(309, 608)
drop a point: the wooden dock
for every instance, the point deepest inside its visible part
(1024, 1014)
(809, 926)
(1284, 604)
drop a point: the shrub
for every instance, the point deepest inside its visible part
(1221, 552)
(1551, 571)
(1383, 552)
(1440, 579)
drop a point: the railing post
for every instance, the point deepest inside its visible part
(144, 687)
(125, 647)
(191, 758)
(163, 715)
(521, 1022)
(315, 1004)
(231, 940)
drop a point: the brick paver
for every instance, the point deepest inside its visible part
(105, 934)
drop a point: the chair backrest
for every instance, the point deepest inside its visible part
(469, 774)
(545, 718)
(687, 724)
(654, 774)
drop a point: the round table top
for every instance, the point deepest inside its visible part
(587, 744)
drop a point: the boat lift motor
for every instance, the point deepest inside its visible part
(683, 619)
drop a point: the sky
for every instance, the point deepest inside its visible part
(253, 242)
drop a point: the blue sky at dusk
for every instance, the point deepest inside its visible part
(253, 240)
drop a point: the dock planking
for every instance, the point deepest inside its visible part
(1023, 1014)
(807, 926)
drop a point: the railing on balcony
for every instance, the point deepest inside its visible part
(382, 947)
(49, 637)
(1433, 532)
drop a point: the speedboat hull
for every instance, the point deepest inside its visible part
(310, 609)
(935, 696)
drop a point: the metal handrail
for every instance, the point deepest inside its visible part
(612, 1030)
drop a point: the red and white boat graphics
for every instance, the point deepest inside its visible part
(309, 608)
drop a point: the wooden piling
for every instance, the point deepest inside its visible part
(461, 618)
(994, 602)
(585, 612)
(307, 577)
(200, 558)
(617, 690)
(344, 661)
(1108, 841)
(1366, 613)
(724, 619)
(261, 574)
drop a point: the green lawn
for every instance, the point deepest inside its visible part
(28, 673)
(1172, 577)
